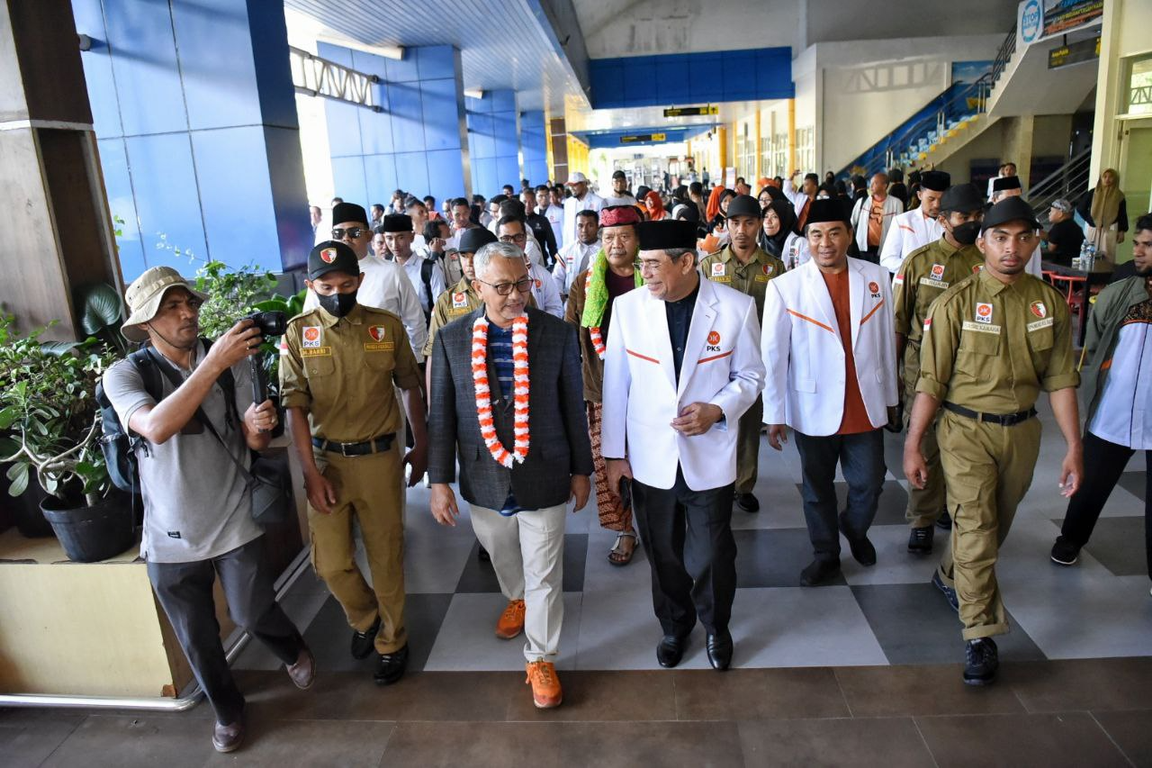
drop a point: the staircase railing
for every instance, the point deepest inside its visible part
(1007, 48)
(1068, 181)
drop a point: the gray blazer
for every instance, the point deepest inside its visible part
(559, 446)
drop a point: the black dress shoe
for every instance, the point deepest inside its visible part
(720, 651)
(981, 661)
(862, 550)
(818, 572)
(391, 666)
(671, 650)
(920, 540)
(364, 642)
(944, 522)
(747, 502)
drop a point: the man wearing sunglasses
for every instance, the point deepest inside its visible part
(385, 285)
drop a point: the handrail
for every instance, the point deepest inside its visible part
(1007, 48)
(1058, 179)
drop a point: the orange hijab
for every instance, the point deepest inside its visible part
(713, 208)
(656, 212)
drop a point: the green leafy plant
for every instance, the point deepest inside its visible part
(49, 414)
(232, 294)
(290, 306)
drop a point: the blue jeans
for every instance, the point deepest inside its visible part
(862, 458)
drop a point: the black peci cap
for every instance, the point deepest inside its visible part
(937, 181)
(397, 222)
(332, 256)
(472, 240)
(663, 235)
(823, 210)
(344, 212)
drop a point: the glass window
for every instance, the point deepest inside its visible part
(1140, 87)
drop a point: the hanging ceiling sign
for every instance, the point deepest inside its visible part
(642, 137)
(1074, 53)
(691, 111)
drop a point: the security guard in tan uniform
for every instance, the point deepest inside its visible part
(744, 266)
(338, 366)
(991, 343)
(924, 275)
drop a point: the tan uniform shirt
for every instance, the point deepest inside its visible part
(924, 275)
(750, 279)
(454, 303)
(992, 347)
(342, 370)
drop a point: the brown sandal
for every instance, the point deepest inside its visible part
(618, 557)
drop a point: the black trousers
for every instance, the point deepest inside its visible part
(861, 457)
(688, 535)
(1104, 462)
(185, 592)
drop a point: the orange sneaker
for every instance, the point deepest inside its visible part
(511, 622)
(546, 691)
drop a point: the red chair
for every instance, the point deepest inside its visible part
(1073, 292)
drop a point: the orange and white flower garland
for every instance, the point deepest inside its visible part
(594, 331)
(484, 391)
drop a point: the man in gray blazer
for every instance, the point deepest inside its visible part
(507, 400)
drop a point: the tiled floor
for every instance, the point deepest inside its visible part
(864, 671)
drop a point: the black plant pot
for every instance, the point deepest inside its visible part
(30, 521)
(91, 534)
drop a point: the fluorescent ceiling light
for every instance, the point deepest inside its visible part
(474, 93)
(387, 51)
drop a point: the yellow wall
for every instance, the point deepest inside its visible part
(577, 156)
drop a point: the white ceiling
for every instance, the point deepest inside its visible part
(502, 43)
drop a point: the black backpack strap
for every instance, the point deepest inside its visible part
(227, 383)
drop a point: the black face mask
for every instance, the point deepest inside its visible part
(338, 304)
(966, 233)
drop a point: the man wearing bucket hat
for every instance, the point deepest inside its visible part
(197, 510)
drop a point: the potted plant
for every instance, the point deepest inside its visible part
(52, 429)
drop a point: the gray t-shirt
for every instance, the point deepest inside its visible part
(196, 503)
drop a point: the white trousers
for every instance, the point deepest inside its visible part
(527, 551)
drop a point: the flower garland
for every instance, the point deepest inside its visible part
(484, 392)
(594, 331)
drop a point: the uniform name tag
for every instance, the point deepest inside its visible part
(717, 270)
(933, 283)
(1046, 322)
(310, 337)
(380, 346)
(459, 300)
(760, 278)
(724, 279)
(981, 327)
(317, 352)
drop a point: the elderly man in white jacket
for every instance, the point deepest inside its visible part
(680, 368)
(829, 348)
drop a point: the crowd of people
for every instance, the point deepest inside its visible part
(542, 348)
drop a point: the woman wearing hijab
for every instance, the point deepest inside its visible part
(768, 194)
(717, 236)
(778, 235)
(655, 206)
(1106, 214)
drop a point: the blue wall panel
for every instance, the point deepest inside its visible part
(436, 62)
(227, 61)
(412, 172)
(380, 178)
(534, 146)
(349, 181)
(232, 166)
(695, 78)
(167, 202)
(493, 135)
(445, 174)
(216, 63)
(407, 112)
(118, 187)
(440, 106)
(144, 62)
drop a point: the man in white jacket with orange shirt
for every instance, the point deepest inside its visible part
(829, 349)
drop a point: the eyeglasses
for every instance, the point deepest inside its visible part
(648, 265)
(351, 232)
(503, 289)
(514, 238)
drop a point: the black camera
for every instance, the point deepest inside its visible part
(272, 323)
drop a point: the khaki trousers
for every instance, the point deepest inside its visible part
(988, 469)
(370, 489)
(748, 447)
(527, 551)
(924, 504)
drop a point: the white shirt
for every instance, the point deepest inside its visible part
(435, 280)
(545, 291)
(555, 216)
(797, 197)
(795, 251)
(573, 206)
(909, 231)
(573, 260)
(624, 199)
(1124, 415)
(387, 287)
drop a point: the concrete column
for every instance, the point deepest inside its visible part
(49, 171)
(417, 143)
(195, 114)
(1018, 133)
(494, 141)
(558, 138)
